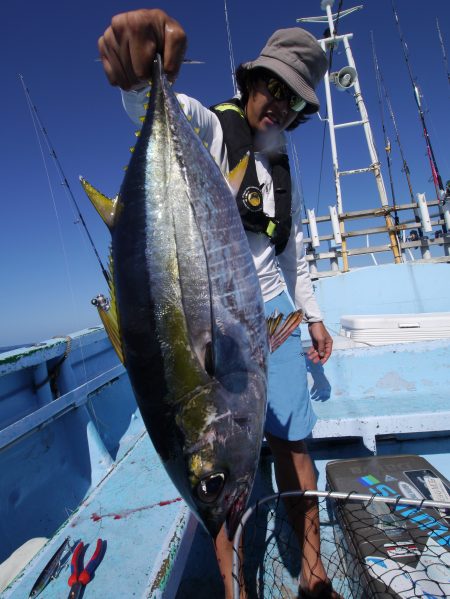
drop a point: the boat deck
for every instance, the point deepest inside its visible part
(91, 471)
(139, 513)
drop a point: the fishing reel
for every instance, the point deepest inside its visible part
(101, 302)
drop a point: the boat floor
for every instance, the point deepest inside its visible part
(147, 527)
(139, 513)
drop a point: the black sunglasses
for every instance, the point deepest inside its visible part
(280, 91)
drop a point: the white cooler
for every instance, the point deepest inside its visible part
(382, 329)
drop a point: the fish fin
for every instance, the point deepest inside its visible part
(280, 330)
(108, 313)
(236, 176)
(105, 206)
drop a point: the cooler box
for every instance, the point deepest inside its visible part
(382, 329)
(399, 551)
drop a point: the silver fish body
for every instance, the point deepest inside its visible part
(192, 325)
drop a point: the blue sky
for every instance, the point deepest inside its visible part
(48, 271)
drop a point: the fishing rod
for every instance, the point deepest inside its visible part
(405, 167)
(64, 180)
(387, 143)
(417, 97)
(444, 55)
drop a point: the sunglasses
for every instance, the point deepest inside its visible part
(280, 91)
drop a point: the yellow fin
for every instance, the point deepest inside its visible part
(236, 176)
(105, 206)
(108, 314)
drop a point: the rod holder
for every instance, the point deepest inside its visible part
(424, 214)
(335, 225)
(446, 211)
(315, 242)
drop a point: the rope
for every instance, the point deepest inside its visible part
(53, 374)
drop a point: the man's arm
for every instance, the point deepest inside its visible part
(296, 274)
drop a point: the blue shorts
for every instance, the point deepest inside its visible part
(289, 412)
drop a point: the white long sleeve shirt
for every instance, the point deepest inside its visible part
(289, 270)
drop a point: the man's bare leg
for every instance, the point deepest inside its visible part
(224, 554)
(294, 471)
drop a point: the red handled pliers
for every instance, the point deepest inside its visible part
(80, 576)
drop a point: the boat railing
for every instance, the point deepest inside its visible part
(56, 377)
(413, 234)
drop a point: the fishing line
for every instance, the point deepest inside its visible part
(38, 127)
(52, 194)
(387, 143)
(64, 180)
(230, 50)
(321, 162)
(405, 167)
(444, 55)
(298, 179)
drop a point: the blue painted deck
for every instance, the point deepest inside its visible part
(75, 459)
(82, 465)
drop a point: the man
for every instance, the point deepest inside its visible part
(276, 91)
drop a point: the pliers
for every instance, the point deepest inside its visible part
(80, 576)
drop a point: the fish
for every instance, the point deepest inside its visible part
(50, 570)
(186, 312)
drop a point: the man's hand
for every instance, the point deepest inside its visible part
(322, 343)
(128, 47)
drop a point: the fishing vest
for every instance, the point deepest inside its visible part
(238, 140)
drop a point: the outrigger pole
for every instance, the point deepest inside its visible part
(64, 180)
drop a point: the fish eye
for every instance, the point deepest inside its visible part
(210, 487)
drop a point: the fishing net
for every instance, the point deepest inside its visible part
(371, 547)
